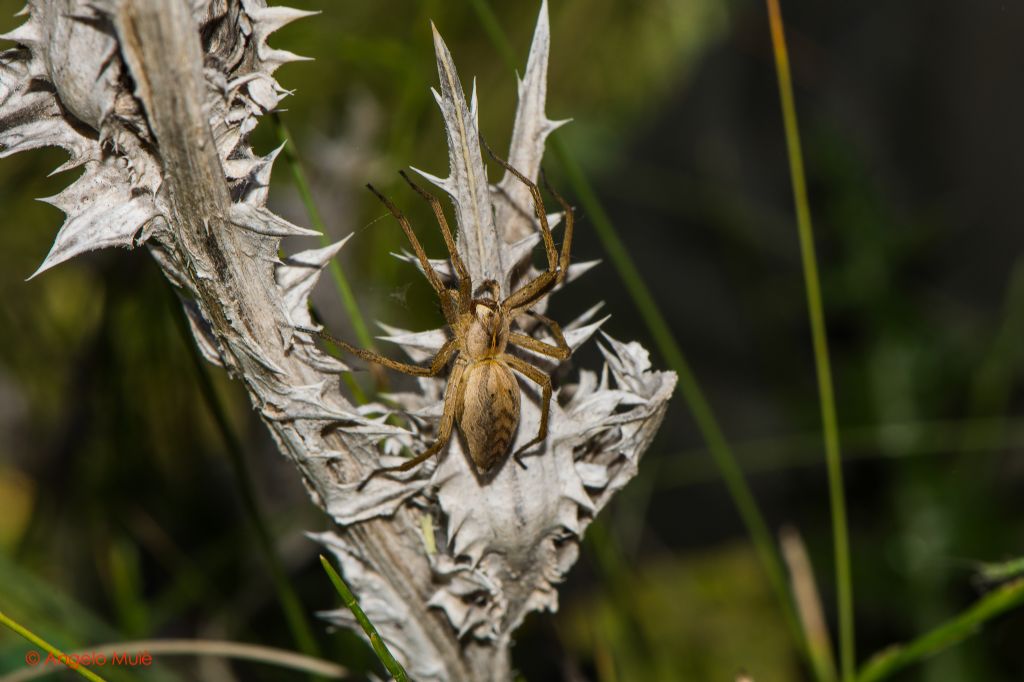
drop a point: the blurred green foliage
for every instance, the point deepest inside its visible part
(717, 602)
(119, 511)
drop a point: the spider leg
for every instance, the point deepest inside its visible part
(542, 380)
(531, 292)
(428, 269)
(452, 399)
(538, 206)
(530, 343)
(563, 266)
(560, 350)
(557, 264)
(460, 268)
(436, 364)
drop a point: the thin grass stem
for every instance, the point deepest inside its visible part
(1000, 571)
(294, 614)
(32, 637)
(993, 381)
(950, 633)
(379, 647)
(844, 582)
(621, 581)
(787, 451)
(689, 386)
(348, 299)
(492, 27)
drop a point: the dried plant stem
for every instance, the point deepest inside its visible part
(379, 647)
(202, 647)
(189, 81)
(844, 582)
(689, 386)
(808, 601)
(20, 629)
(241, 306)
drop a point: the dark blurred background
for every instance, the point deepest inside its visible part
(119, 513)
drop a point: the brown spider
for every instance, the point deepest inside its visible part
(482, 396)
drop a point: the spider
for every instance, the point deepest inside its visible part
(482, 395)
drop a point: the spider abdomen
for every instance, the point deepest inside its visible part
(490, 412)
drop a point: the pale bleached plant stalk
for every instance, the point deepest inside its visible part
(155, 99)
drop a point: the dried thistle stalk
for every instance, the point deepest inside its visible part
(155, 101)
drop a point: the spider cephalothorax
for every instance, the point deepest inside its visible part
(482, 396)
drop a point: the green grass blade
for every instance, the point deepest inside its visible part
(496, 34)
(1000, 571)
(340, 280)
(46, 646)
(815, 309)
(348, 299)
(866, 442)
(689, 386)
(954, 631)
(379, 647)
(294, 613)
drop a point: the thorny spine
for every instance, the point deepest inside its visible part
(168, 165)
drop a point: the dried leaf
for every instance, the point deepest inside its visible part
(190, 186)
(478, 240)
